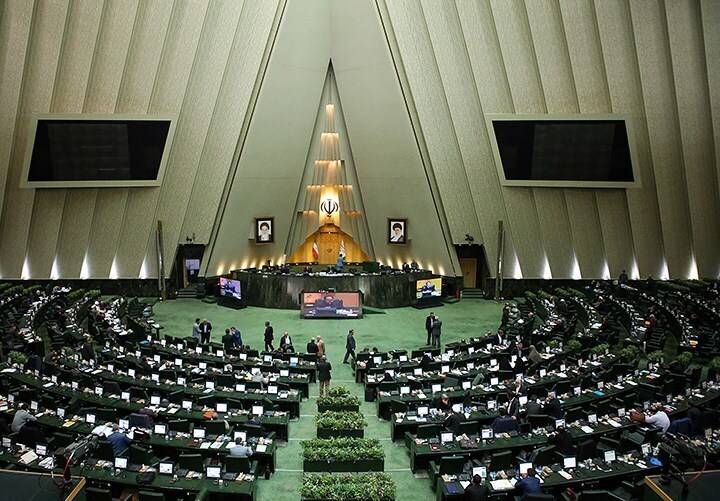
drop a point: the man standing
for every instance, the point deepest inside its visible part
(228, 341)
(349, 346)
(429, 321)
(268, 337)
(196, 329)
(436, 332)
(321, 347)
(323, 372)
(205, 329)
(312, 347)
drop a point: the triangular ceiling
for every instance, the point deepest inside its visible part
(389, 165)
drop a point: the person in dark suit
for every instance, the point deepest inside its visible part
(562, 440)
(529, 484)
(552, 407)
(428, 327)
(436, 332)
(503, 423)
(228, 341)
(268, 337)
(498, 339)
(323, 375)
(513, 405)
(453, 421)
(477, 490)
(205, 330)
(312, 346)
(349, 346)
(532, 407)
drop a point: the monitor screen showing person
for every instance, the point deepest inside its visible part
(230, 288)
(430, 287)
(331, 305)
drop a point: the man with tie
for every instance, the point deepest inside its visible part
(429, 321)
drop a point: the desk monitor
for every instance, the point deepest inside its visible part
(523, 400)
(491, 405)
(240, 388)
(423, 410)
(494, 381)
(403, 358)
(569, 462)
(457, 408)
(60, 412)
(90, 418)
(198, 350)
(486, 434)
(156, 358)
(621, 412)
(166, 468)
(41, 450)
(267, 358)
(542, 372)
(559, 423)
(160, 429)
(155, 400)
(213, 471)
(272, 390)
(524, 467)
(181, 381)
(131, 373)
(284, 373)
(445, 369)
(240, 435)
(98, 392)
(74, 385)
(121, 463)
(294, 360)
(646, 449)
(202, 365)
(493, 362)
(125, 396)
(7, 442)
(471, 350)
(124, 424)
(404, 390)
(417, 371)
(466, 385)
(609, 456)
(221, 407)
(209, 385)
(576, 391)
(377, 360)
(436, 388)
(446, 437)
(592, 418)
(428, 287)
(187, 405)
(257, 410)
(479, 470)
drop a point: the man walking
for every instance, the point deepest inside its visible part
(436, 332)
(268, 337)
(323, 374)
(349, 346)
(429, 321)
(205, 329)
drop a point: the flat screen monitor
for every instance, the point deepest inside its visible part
(446, 437)
(199, 433)
(524, 467)
(166, 467)
(240, 436)
(240, 388)
(491, 405)
(160, 429)
(155, 400)
(569, 462)
(213, 471)
(609, 456)
(90, 418)
(124, 424)
(436, 388)
(82, 150)
(284, 373)
(257, 410)
(486, 433)
(423, 410)
(186, 404)
(221, 407)
(230, 288)
(41, 450)
(121, 463)
(60, 412)
(480, 470)
(646, 449)
(523, 400)
(7, 442)
(428, 287)
(592, 418)
(559, 423)
(592, 151)
(331, 305)
(125, 395)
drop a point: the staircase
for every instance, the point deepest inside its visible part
(473, 294)
(193, 291)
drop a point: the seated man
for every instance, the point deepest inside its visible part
(477, 490)
(503, 423)
(658, 418)
(241, 450)
(562, 440)
(453, 421)
(443, 403)
(119, 441)
(528, 484)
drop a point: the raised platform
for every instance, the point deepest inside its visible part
(703, 488)
(275, 290)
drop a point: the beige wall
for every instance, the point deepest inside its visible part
(422, 139)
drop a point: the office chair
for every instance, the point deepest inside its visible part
(452, 465)
(140, 421)
(237, 464)
(537, 496)
(585, 450)
(181, 425)
(215, 427)
(106, 415)
(151, 496)
(468, 428)
(111, 388)
(104, 451)
(253, 430)
(140, 455)
(192, 462)
(398, 406)
(501, 461)
(428, 430)
(97, 494)
(544, 455)
(538, 420)
(597, 495)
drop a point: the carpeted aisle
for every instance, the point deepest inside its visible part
(397, 328)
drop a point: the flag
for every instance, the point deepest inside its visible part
(315, 250)
(342, 249)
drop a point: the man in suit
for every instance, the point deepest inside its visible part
(205, 330)
(323, 374)
(228, 341)
(513, 405)
(196, 329)
(477, 490)
(312, 347)
(562, 440)
(552, 407)
(268, 337)
(349, 346)
(428, 327)
(503, 423)
(532, 406)
(529, 484)
(436, 332)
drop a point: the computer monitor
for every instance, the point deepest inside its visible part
(417, 371)
(494, 381)
(404, 390)
(7, 442)
(125, 395)
(466, 385)
(542, 372)
(41, 449)
(569, 462)
(213, 471)
(403, 358)
(592, 418)
(240, 435)
(240, 387)
(524, 467)
(436, 388)
(609, 456)
(155, 400)
(199, 433)
(646, 449)
(209, 385)
(446, 437)
(272, 390)
(267, 358)
(155, 377)
(160, 429)
(423, 410)
(480, 470)
(523, 400)
(284, 373)
(131, 373)
(90, 418)
(377, 360)
(445, 369)
(124, 424)
(559, 423)
(181, 381)
(186, 404)
(178, 362)
(219, 353)
(621, 412)
(60, 412)
(202, 365)
(121, 463)
(221, 407)
(166, 468)
(294, 360)
(491, 405)
(257, 410)
(486, 433)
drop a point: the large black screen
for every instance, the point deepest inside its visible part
(564, 150)
(98, 150)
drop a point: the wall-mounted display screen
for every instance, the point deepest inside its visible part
(230, 288)
(563, 150)
(428, 287)
(97, 150)
(331, 305)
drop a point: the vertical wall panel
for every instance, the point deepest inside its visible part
(693, 100)
(44, 231)
(653, 49)
(75, 229)
(36, 94)
(15, 22)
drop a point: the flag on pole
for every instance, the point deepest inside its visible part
(342, 249)
(315, 251)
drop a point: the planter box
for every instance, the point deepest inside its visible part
(344, 466)
(328, 433)
(323, 408)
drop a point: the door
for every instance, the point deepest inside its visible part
(468, 266)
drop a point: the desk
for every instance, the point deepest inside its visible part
(704, 488)
(28, 485)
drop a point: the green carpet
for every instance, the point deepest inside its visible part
(398, 328)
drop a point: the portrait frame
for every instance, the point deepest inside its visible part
(262, 236)
(403, 224)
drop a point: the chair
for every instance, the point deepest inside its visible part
(151, 496)
(192, 462)
(452, 465)
(538, 420)
(468, 428)
(215, 427)
(597, 496)
(544, 455)
(585, 450)
(181, 425)
(398, 406)
(140, 421)
(104, 451)
(106, 415)
(97, 494)
(111, 388)
(428, 430)
(140, 455)
(539, 496)
(237, 464)
(253, 430)
(501, 461)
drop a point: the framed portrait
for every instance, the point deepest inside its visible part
(397, 231)
(264, 230)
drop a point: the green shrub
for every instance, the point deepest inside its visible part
(685, 358)
(17, 357)
(656, 356)
(599, 349)
(530, 295)
(17, 289)
(342, 449)
(673, 287)
(338, 396)
(553, 343)
(630, 352)
(345, 420)
(574, 345)
(75, 295)
(92, 294)
(33, 288)
(544, 295)
(578, 294)
(714, 363)
(365, 486)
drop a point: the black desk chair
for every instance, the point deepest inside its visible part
(538, 496)
(468, 428)
(151, 496)
(104, 451)
(192, 462)
(140, 421)
(106, 415)
(181, 425)
(597, 495)
(97, 494)
(111, 388)
(215, 427)
(239, 464)
(585, 450)
(501, 461)
(428, 430)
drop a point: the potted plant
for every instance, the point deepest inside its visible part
(685, 359)
(574, 345)
(352, 486)
(629, 353)
(656, 356)
(713, 368)
(338, 399)
(342, 454)
(17, 357)
(340, 424)
(599, 349)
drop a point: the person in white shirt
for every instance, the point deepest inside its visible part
(658, 418)
(22, 416)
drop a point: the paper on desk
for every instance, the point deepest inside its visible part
(613, 423)
(501, 485)
(205, 445)
(464, 484)
(586, 429)
(261, 448)
(565, 475)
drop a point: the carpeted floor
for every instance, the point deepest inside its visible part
(396, 328)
